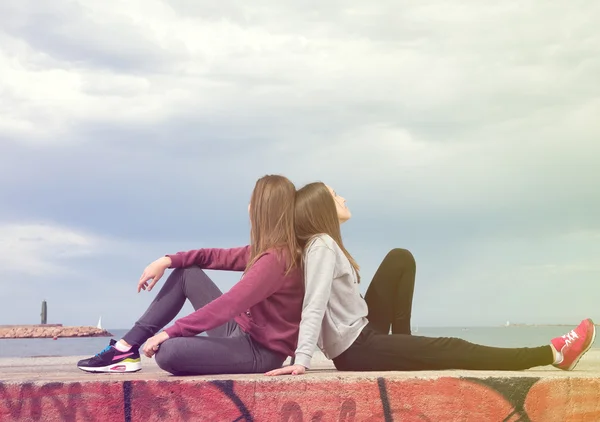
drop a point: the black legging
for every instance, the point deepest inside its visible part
(390, 294)
(389, 298)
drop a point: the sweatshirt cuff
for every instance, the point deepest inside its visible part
(302, 359)
(173, 331)
(176, 261)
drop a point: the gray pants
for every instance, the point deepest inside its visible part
(224, 350)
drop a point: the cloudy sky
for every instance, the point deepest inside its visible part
(461, 130)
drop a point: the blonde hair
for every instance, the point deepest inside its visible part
(315, 213)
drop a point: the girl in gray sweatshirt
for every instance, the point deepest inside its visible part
(355, 332)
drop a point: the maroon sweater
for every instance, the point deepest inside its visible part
(266, 303)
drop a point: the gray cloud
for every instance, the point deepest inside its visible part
(72, 31)
(465, 132)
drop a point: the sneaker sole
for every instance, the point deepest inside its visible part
(576, 361)
(116, 368)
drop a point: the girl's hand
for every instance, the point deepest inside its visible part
(286, 370)
(152, 344)
(153, 272)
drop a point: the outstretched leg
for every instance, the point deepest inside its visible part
(390, 294)
(401, 352)
(373, 351)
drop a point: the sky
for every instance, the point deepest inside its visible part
(460, 130)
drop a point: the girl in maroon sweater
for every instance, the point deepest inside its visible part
(250, 329)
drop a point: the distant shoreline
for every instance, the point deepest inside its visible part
(424, 327)
(50, 331)
(539, 325)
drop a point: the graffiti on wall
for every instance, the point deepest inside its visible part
(342, 400)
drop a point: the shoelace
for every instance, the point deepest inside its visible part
(570, 337)
(106, 349)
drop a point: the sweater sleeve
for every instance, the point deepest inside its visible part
(234, 259)
(319, 271)
(264, 278)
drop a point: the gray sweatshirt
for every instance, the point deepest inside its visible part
(333, 312)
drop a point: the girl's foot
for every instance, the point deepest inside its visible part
(573, 345)
(112, 360)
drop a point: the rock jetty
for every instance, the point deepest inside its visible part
(50, 331)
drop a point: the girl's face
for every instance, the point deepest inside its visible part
(340, 205)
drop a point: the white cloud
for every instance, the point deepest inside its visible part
(46, 250)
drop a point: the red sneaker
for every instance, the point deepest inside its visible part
(574, 344)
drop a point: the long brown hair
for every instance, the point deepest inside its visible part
(316, 214)
(272, 220)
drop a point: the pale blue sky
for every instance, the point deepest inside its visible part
(463, 131)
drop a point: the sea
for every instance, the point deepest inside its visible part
(510, 336)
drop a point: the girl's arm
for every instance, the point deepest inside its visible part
(319, 271)
(234, 259)
(264, 278)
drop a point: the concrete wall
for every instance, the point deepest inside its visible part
(376, 399)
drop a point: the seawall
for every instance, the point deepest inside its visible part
(52, 389)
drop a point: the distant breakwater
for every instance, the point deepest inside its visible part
(50, 331)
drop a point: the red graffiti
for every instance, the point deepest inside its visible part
(58, 401)
(565, 399)
(301, 399)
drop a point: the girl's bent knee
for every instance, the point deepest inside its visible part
(401, 254)
(194, 270)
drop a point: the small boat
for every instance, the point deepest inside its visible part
(99, 326)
